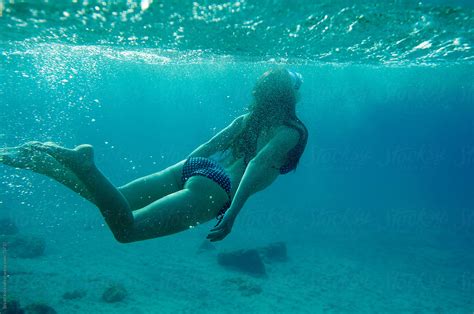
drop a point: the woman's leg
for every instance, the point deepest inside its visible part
(138, 193)
(144, 191)
(199, 201)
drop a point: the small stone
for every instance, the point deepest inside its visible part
(25, 246)
(39, 308)
(114, 293)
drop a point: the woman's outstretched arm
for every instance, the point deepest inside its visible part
(261, 171)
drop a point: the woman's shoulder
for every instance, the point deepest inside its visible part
(294, 133)
(287, 133)
(298, 127)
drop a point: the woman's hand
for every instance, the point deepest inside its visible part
(223, 228)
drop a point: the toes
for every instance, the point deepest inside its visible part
(9, 157)
(4, 159)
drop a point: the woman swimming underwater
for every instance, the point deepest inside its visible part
(215, 180)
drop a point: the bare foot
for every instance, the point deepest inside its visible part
(59, 163)
(27, 157)
(79, 160)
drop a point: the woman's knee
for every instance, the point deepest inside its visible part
(123, 237)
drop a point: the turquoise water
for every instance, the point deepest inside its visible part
(367, 32)
(378, 217)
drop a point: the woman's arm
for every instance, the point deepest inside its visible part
(261, 171)
(264, 168)
(218, 141)
(257, 176)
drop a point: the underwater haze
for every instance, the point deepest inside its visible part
(377, 218)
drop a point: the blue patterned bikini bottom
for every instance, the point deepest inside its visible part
(206, 167)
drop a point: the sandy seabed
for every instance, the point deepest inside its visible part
(350, 273)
